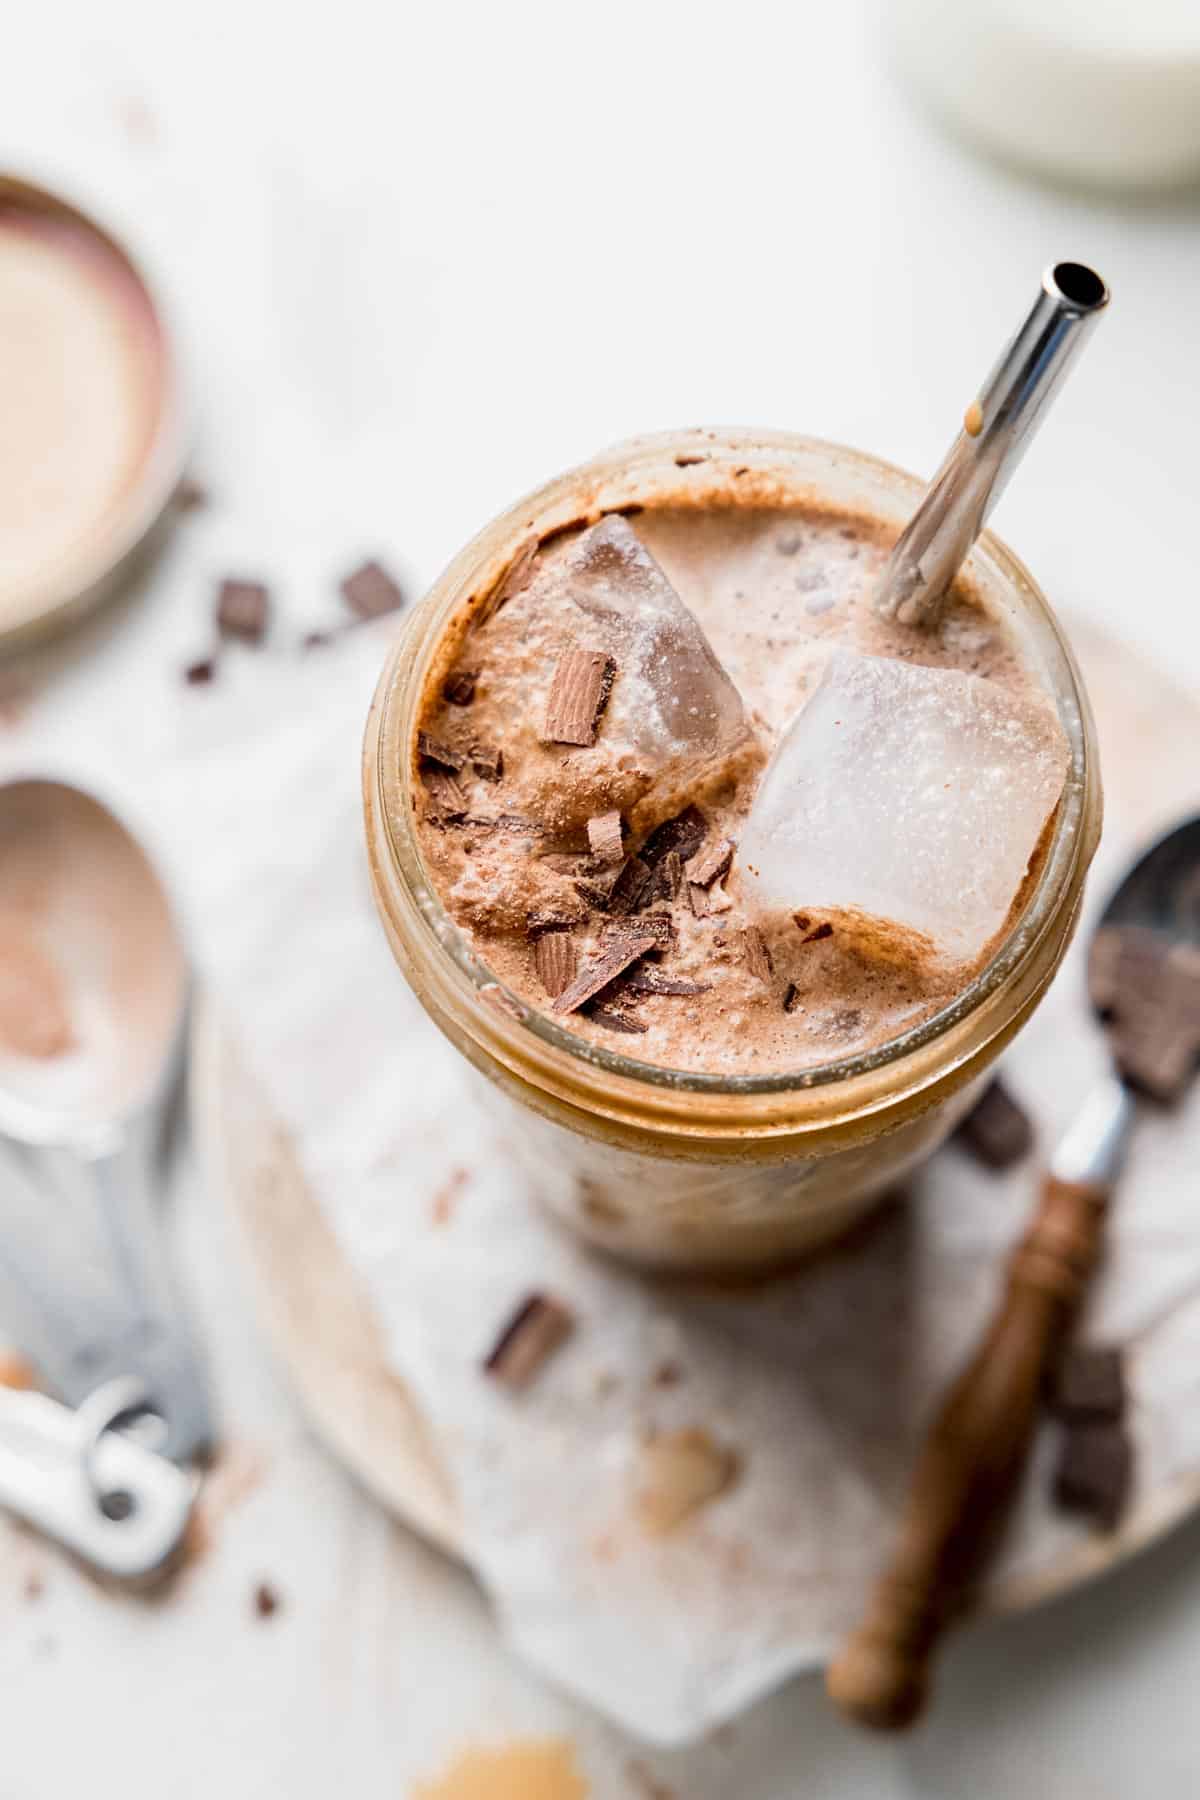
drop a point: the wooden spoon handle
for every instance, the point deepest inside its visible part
(970, 1465)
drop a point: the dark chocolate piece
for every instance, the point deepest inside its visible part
(370, 592)
(199, 674)
(266, 1600)
(447, 802)
(651, 981)
(820, 931)
(709, 863)
(615, 957)
(1095, 1472)
(537, 1328)
(669, 879)
(243, 609)
(579, 693)
(658, 925)
(707, 902)
(516, 578)
(997, 1132)
(487, 763)
(459, 687)
(756, 954)
(606, 837)
(632, 889)
(684, 834)
(612, 1018)
(791, 997)
(556, 958)
(1089, 1383)
(434, 751)
(553, 918)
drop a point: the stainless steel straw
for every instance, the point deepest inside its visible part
(996, 429)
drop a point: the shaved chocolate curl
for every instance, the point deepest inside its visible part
(606, 837)
(619, 951)
(556, 958)
(683, 834)
(756, 955)
(578, 695)
(709, 863)
(534, 1332)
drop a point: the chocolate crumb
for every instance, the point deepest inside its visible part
(1089, 1383)
(199, 674)
(370, 592)
(579, 693)
(710, 863)
(1095, 1472)
(606, 838)
(821, 931)
(459, 687)
(684, 834)
(243, 610)
(689, 462)
(537, 1328)
(613, 1018)
(266, 1600)
(791, 997)
(997, 1131)
(556, 958)
(603, 968)
(756, 954)
(488, 764)
(434, 751)
(316, 640)
(447, 802)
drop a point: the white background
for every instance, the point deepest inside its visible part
(422, 258)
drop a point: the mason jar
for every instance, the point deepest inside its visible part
(700, 1171)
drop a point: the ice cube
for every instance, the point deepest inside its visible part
(672, 695)
(911, 794)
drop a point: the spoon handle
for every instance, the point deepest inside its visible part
(971, 1463)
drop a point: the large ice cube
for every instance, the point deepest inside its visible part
(672, 693)
(914, 795)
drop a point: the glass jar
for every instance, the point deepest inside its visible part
(697, 1170)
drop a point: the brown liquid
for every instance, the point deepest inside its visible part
(772, 589)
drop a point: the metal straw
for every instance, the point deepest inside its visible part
(996, 430)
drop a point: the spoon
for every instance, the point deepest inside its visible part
(93, 1003)
(997, 429)
(1144, 979)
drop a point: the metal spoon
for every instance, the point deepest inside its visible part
(93, 1003)
(1144, 976)
(997, 428)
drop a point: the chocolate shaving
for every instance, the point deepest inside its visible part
(791, 997)
(266, 1601)
(459, 687)
(556, 958)
(658, 925)
(447, 802)
(615, 957)
(708, 902)
(756, 954)
(821, 931)
(370, 592)
(535, 1331)
(997, 1131)
(596, 888)
(199, 674)
(487, 763)
(551, 919)
(669, 878)
(651, 981)
(632, 889)
(434, 751)
(684, 834)
(1095, 1471)
(611, 1018)
(243, 609)
(606, 837)
(579, 693)
(515, 579)
(1089, 1383)
(710, 863)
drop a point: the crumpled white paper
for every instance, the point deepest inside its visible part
(820, 1382)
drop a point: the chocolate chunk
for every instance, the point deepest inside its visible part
(516, 578)
(243, 608)
(447, 802)
(791, 997)
(606, 837)
(632, 889)
(615, 957)
(266, 1601)
(487, 763)
(684, 834)
(1089, 1383)
(1147, 987)
(819, 932)
(459, 687)
(709, 863)
(612, 1018)
(370, 592)
(997, 1132)
(658, 925)
(756, 955)
(434, 751)
(578, 695)
(553, 918)
(652, 981)
(669, 877)
(537, 1328)
(199, 674)
(556, 958)
(1095, 1472)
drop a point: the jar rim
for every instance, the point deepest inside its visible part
(617, 476)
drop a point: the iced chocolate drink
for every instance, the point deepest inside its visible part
(739, 873)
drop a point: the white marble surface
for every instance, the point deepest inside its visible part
(423, 257)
